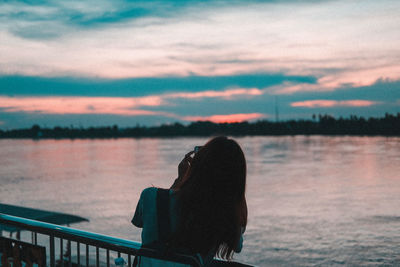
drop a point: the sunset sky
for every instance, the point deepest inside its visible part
(106, 62)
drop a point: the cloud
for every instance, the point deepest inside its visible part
(230, 118)
(194, 56)
(124, 106)
(81, 105)
(333, 103)
(227, 94)
(346, 78)
(52, 106)
(116, 39)
(42, 20)
(25, 85)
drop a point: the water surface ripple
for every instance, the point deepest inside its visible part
(313, 201)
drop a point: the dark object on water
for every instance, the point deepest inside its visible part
(39, 215)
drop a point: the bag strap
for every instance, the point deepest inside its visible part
(163, 220)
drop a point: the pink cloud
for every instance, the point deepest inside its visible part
(333, 103)
(80, 105)
(354, 76)
(227, 94)
(126, 106)
(226, 118)
(288, 88)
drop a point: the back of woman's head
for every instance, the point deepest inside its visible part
(212, 199)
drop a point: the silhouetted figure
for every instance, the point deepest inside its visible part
(206, 210)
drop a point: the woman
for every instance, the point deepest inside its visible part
(207, 205)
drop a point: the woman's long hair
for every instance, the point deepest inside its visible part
(211, 197)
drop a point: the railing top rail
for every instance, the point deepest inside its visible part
(65, 232)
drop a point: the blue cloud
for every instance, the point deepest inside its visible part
(45, 18)
(49, 19)
(40, 86)
(110, 17)
(56, 18)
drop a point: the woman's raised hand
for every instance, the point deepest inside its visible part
(184, 165)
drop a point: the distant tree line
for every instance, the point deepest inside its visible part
(389, 125)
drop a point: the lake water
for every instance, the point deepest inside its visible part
(312, 200)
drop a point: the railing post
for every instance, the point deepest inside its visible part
(78, 247)
(97, 257)
(69, 254)
(61, 252)
(52, 252)
(108, 258)
(87, 255)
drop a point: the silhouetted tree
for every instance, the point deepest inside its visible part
(389, 125)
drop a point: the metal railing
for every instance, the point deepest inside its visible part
(53, 236)
(121, 247)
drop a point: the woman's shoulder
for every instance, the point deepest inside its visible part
(148, 192)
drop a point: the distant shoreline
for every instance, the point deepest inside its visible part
(389, 125)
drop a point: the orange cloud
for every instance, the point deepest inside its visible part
(227, 94)
(226, 118)
(333, 103)
(80, 105)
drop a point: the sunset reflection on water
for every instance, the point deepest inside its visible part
(312, 200)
